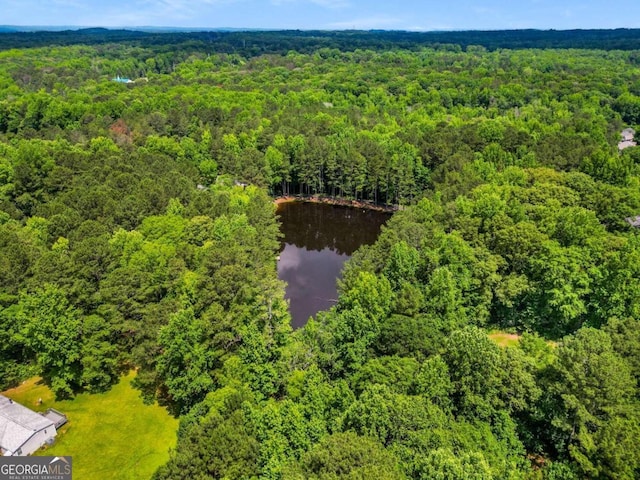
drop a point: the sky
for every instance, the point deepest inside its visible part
(326, 14)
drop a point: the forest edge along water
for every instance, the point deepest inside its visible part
(337, 202)
(318, 238)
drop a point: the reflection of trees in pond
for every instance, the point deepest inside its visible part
(317, 226)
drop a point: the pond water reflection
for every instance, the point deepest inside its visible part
(317, 240)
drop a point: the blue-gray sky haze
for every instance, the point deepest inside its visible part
(326, 14)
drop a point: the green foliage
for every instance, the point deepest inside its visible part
(370, 293)
(402, 264)
(596, 402)
(185, 363)
(474, 364)
(395, 372)
(346, 455)
(219, 448)
(136, 231)
(442, 464)
(52, 331)
(628, 105)
(418, 335)
(99, 355)
(72, 352)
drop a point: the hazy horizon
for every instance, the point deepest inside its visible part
(167, 28)
(320, 15)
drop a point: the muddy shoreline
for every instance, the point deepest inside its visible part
(335, 201)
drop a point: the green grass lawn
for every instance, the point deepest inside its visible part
(110, 435)
(504, 339)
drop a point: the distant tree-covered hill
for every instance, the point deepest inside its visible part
(259, 42)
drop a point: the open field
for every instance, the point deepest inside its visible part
(504, 339)
(111, 435)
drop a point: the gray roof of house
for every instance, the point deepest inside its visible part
(626, 144)
(18, 424)
(633, 221)
(628, 134)
(627, 139)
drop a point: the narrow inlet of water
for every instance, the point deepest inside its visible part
(318, 239)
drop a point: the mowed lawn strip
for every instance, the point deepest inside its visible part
(109, 435)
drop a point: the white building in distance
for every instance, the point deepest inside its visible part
(627, 139)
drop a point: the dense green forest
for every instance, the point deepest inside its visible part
(138, 231)
(257, 42)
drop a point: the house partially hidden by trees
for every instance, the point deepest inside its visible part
(120, 79)
(633, 221)
(627, 139)
(22, 431)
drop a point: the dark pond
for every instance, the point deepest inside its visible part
(318, 239)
